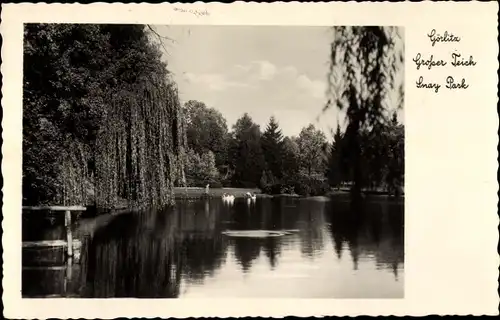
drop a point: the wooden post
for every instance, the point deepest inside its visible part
(69, 235)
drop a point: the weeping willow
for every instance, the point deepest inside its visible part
(76, 181)
(138, 155)
(365, 63)
(102, 121)
(138, 152)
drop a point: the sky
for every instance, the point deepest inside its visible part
(265, 71)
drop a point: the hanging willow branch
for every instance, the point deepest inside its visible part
(139, 152)
(364, 62)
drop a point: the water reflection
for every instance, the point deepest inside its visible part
(183, 251)
(375, 229)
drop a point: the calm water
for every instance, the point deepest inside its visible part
(331, 250)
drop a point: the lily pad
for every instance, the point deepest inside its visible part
(255, 233)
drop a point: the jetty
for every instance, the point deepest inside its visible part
(57, 260)
(68, 244)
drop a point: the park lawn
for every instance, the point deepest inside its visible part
(213, 192)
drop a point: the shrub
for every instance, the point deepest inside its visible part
(279, 188)
(314, 185)
(226, 183)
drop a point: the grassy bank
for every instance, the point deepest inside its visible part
(193, 192)
(346, 191)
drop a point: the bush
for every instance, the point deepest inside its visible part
(279, 188)
(311, 186)
(226, 183)
(302, 189)
(267, 189)
(286, 189)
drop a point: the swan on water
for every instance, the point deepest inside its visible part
(250, 196)
(228, 197)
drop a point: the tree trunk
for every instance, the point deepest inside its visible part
(357, 176)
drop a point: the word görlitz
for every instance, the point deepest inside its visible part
(456, 60)
(450, 84)
(446, 37)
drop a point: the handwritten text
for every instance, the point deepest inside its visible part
(455, 59)
(196, 12)
(446, 37)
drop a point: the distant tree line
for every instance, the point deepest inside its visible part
(367, 154)
(306, 164)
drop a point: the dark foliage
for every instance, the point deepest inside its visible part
(101, 118)
(363, 69)
(246, 153)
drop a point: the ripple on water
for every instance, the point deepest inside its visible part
(256, 233)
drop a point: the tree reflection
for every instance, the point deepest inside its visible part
(246, 250)
(145, 254)
(272, 250)
(372, 227)
(312, 219)
(265, 214)
(200, 258)
(138, 265)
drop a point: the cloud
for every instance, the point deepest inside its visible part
(288, 78)
(259, 73)
(212, 81)
(267, 70)
(317, 88)
(262, 89)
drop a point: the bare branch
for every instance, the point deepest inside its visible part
(161, 38)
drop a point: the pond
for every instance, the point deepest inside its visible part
(266, 248)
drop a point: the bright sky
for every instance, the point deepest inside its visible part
(265, 71)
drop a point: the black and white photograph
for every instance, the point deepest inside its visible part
(202, 161)
(249, 160)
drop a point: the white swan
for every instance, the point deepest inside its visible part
(227, 197)
(251, 196)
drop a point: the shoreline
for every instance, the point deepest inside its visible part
(198, 192)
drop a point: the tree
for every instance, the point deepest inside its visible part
(335, 169)
(312, 145)
(313, 153)
(396, 154)
(272, 146)
(381, 157)
(101, 117)
(201, 169)
(247, 157)
(206, 129)
(364, 62)
(290, 158)
(62, 95)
